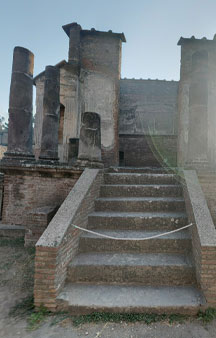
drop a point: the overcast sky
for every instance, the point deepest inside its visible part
(152, 29)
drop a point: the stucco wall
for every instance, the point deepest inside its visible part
(148, 122)
(148, 107)
(100, 73)
(196, 104)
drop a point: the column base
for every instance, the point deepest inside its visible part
(12, 158)
(89, 164)
(47, 160)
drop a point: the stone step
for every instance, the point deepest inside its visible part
(132, 190)
(137, 220)
(12, 231)
(152, 170)
(87, 298)
(139, 178)
(140, 204)
(145, 269)
(178, 242)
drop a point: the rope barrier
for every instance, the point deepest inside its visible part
(132, 239)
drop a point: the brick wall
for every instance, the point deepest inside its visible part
(203, 236)
(144, 150)
(37, 221)
(59, 243)
(30, 187)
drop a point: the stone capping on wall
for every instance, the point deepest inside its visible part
(202, 217)
(59, 242)
(203, 234)
(58, 227)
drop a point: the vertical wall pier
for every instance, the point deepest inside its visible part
(197, 104)
(20, 106)
(51, 108)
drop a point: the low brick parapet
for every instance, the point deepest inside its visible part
(59, 242)
(203, 236)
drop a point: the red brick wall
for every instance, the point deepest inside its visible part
(203, 236)
(25, 190)
(53, 256)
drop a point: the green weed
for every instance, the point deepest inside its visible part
(127, 317)
(37, 317)
(207, 315)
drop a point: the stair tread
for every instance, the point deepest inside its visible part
(130, 259)
(183, 234)
(166, 199)
(142, 185)
(155, 214)
(141, 174)
(142, 168)
(120, 296)
(11, 227)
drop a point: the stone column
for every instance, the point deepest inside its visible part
(90, 140)
(20, 105)
(51, 109)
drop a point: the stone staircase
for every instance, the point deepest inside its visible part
(155, 275)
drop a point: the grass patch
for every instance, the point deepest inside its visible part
(208, 315)
(37, 318)
(146, 318)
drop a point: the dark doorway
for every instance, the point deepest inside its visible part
(61, 124)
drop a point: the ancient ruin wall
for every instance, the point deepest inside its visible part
(99, 78)
(196, 103)
(29, 188)
(148, 121)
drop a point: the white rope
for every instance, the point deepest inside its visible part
(131, 239)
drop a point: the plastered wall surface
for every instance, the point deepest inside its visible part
(148, 107)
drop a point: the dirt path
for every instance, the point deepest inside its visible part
(16, 282)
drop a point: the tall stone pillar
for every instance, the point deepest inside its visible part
(197, 104)
(90, 140)
(20, 130)
(51, 110)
